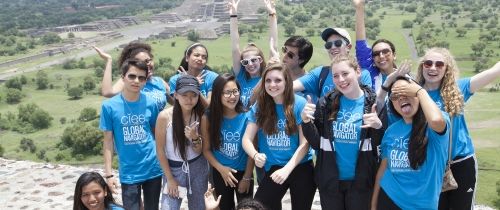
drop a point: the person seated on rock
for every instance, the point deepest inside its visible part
(92, 192)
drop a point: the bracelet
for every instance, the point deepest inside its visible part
(196, 141)
(247, 179)
(233, 16)
(254, 155)
(416, 93)
(109, 176)
(386, 89)
(272, 14)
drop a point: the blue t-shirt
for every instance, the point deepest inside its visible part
(115, 207)
(231, 153)
(310, 81)
(131, 124)
(280, 147)
(462, 143)
(346, 130)
(205, 88)
(247, 86)
(365, 60)
(155, 88)
(409, 188)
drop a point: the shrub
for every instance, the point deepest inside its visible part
(87, 114)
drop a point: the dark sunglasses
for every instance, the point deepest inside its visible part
(133, 77)
(253, 60)
(288, 53)
(393, 97)
(228, 93)
(384, 52)
(336, 43)
(429, 64)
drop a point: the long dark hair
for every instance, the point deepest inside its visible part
(216, 109)
(417, 150)
(83, 181)
(188, 52)
(180, 139)
(266, 115)
(132, 49)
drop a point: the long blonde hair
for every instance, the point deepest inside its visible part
(452, 98)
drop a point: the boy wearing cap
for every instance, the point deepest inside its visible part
(128, 121)
(319, 80)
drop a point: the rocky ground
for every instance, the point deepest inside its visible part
(29, 185)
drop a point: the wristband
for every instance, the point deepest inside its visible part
(416, 93)
(109, 176)
(386, 89)
(233, 16)
(254, 155)
(272, 14)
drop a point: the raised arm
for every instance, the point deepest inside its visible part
(235, 36)
(273, 27)
(484, 78)
(360, 19)
(108, 90)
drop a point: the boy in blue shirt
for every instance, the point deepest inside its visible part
(128, 120)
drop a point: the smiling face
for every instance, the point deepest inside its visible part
(197, 59)
(93, 196)
(343, 49)
(230, 95)
(433, 73)
(383, 57)
(346, 78)
(134, 79)
(406, 106)
(275, 85)
(253, 61)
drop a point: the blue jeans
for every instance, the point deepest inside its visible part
(131, 194)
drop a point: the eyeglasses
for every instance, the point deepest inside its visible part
(428, 64)
(228, 93)
(383, 52)
(394, 97)
(253, 60)
(287, 52)
(336, 43)
(133, 77)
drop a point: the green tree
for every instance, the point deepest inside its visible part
(75, 92)
(82, 64)
(42, 80)
(2, 151)
(289, 30)
(23, 80)
(41, 119)
(14, 83)
(27, 144)
(83, 139)
(478, 48)
(50, 38)
(461, 32)
(71, 35)
(13, 96)
(87, 114)
(88, 83)
(407, 24)
(310, 32)
(193, 36)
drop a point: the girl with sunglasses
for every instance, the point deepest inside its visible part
(379, 60)
(155, 86)
(438, 74)
(223, 126)
(179, 147)
(346, 161)
(249, 63)
(413, 150)
(92, 192)
(283, 149)
(194, 63)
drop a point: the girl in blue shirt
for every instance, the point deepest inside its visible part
(413, 150)
(283, 149)
(438, 74)
(345, 132)
(92, 192)
(223, 127)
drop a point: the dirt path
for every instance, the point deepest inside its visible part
(411, 44)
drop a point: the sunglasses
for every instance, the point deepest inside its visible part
(253, 60)
(336, 43)
(287, 53)
(428, 64)
(383, 52)
(133, 77)
(228, 93)
(149, 60)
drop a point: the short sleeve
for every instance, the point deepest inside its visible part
(310, 81)
(464, 86)
(106, 119)
(366, 78)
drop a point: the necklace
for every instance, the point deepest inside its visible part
(126, 103)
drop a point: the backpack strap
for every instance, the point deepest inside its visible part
(322, 77)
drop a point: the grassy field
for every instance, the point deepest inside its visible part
(482, 111)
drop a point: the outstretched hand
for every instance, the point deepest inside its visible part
(270, 6)
(102, 54)
(210, 202)
(232, 5)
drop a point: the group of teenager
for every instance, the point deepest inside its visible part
(380, 136)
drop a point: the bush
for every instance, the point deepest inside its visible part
(42, 80)
(41, 154)
(88, 83)
(62, 120)
(87, 114)
(61, 156)
(79, 157)
(407, 24)
(75, 92)
(27, 144)
(83, 139)
(2, 151)
(14, 83)
(40, 119)
(13, 96)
